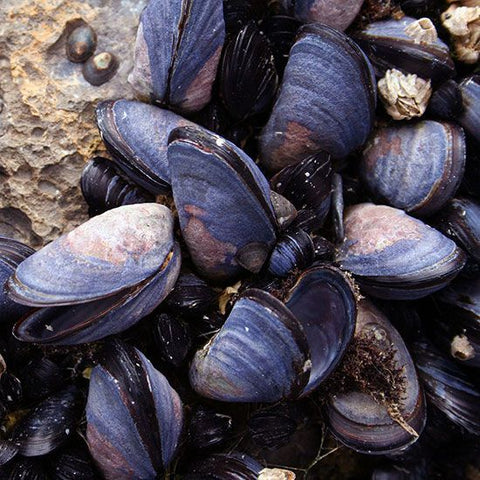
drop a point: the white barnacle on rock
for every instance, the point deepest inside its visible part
(404, 96)
(422, 31)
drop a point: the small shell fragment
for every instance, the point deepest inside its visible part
(276, 474)
(404, 96)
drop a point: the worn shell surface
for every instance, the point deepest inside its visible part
(101, 257)
(470, 118)
(136, 135)
(417, 168)
(336, 14)
(395, 256)
(357, 419)
(259, 355)
(223, 203)
(134, 416)
(90, 321)
(177, 52)
(388, 45)
(314, 110)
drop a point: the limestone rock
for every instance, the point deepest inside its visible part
(47, 127)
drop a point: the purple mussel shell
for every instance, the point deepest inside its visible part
(361, 423)
(101, 257)
(470, 118)
(259, 355)
(91, 321)
(12, 253)
(395, 256)
(388, 46)
(416, 167)
(315, 109)
(268, 351)
(134, 416)
(223, 202)
(339, 14)
(177, 51)
(136, 134)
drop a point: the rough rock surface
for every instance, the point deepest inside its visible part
(47, 128)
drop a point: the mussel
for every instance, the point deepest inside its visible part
(112, 270)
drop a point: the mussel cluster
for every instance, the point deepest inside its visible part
(272, 252)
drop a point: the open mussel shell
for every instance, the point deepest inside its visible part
(323, 301)
(423, 169)
(268, 351)
(223, 466)
(460, 220)
(388, 45)
(134, 416)
(223, 202)
(136, 135)
(49, 424)
(177, 52)
(104, 188)
(470, 117)
(308, 185)
(333, 70)
(12, 253)
(91, 321)
(248, 77)
(457, 327)
(338, 15)
(447, 386)
(107, 254)
(395, 256)
(259, 355)
(361, 423)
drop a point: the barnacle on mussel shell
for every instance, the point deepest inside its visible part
(177, 52)
(268, 350)
(415, 167)
(326, 101)
(395, 256)
(362, 422)
(223, 202)
(112, 271)
(134, 416)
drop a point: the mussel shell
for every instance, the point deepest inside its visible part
(223, 466)
(173, 339)
(470, 118)
(177, 52)
(101, 257)
(308, 185)
(259, 355)
(24, 468)
(223, 203)
(395, 256)
(314, 110)
(323, 301)
(388, 46)
(12, 253)
(248, 77)
(49, 424)
(446, 101)
(100, 318)
(459, 314)
(134, 417)
(72, 463)
(338, 15)
(136, 135)
(447, 386)
(104, 188)
(208, 428)
(271, 429)
(417, 168)
(361, 423)
(460, 220)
